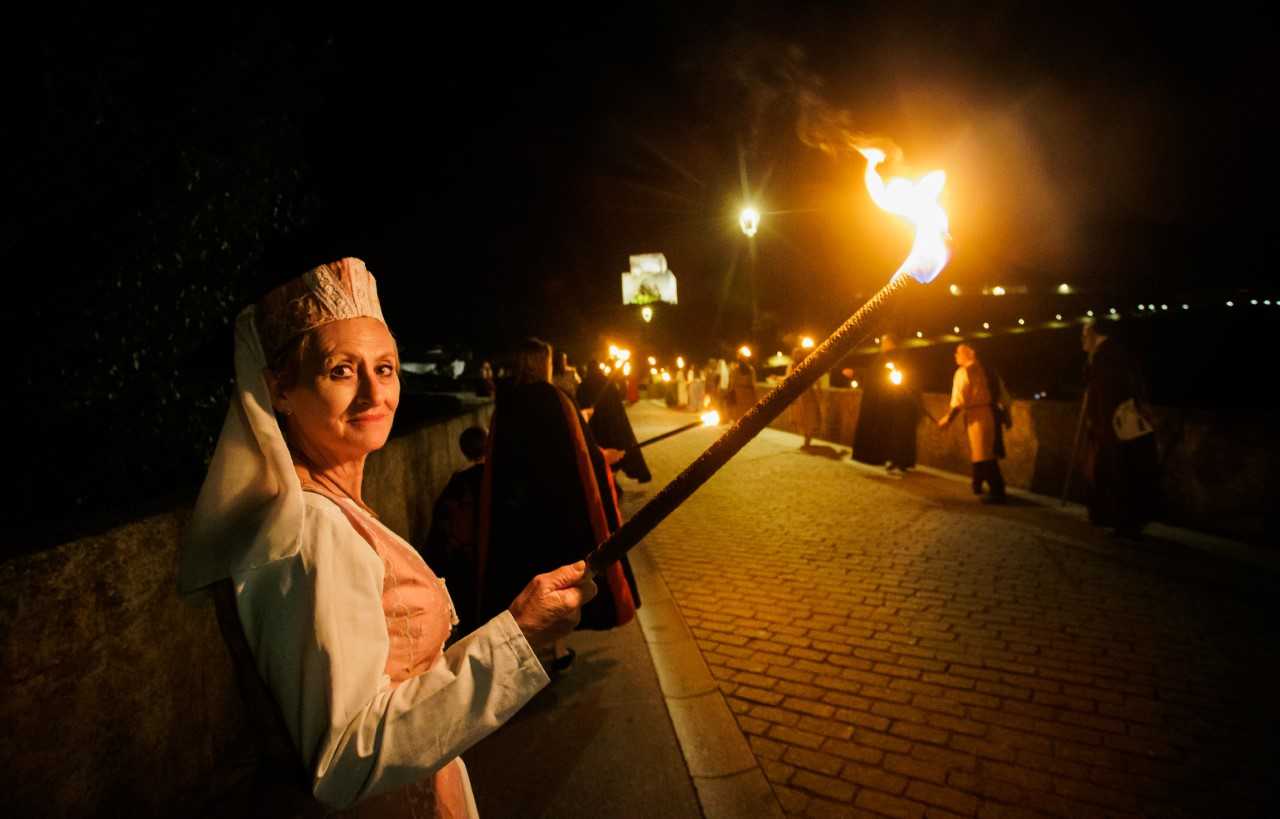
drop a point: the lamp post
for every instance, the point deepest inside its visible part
(749, 221)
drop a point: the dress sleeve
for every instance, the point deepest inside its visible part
(317, 630)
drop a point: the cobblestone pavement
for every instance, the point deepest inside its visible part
(893, 648)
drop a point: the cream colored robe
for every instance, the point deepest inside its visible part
(315, 624)
(971, 393)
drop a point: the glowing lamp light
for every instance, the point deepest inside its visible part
(955, 329)
(1021, 322)
(896, 377)
(653, 371)
(646, 313)
(666, 378)
(652, 361)
(680, 362)
(706, 401)
(1112, 311)
(608, 370)
(1142, 307)
(889, 366)
(1152, 306)
(613, 351)
(1164, 307)
(1253, 301)
(744, 351)
(919, 334)
(603, 368)
(1057, 317)
(626, 368)
(1064, 289)
(853, 385)
(1231, 304)
(986, 325)
(955, 289)
(624, 355)
(997, 290)
(877, 339)
(806, 343)
(1089, 313)
(710, 419)
(1186, 307)
(749, 221)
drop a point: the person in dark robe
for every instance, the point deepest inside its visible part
(455, 524)
(887, 418)
(1122, 463)
(547, 494)
(601, 400)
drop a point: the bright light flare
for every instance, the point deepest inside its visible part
(896, 377)
(646, 313)
(613, 351)
(997, 290)
(744, 351)
(749, 221)
(680, 362)
(710, 419)
(706, 401)
(806, 343)
(666, 378)
(653, 361)
(626, 368)
(917, 202)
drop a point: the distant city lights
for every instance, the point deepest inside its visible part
(986, 325)
(1057, 316)
(997, 290)
(1021, 322)
(919, 334)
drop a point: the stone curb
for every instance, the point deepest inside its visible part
(726, 776)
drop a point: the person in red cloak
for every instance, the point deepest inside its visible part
(548, 494)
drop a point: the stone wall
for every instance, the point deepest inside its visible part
(118, 698)
(1218, 468)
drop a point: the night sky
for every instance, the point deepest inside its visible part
(495, 168)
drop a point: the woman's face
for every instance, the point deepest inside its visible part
(345, 399)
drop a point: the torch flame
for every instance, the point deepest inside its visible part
(806, 343)
(916, 202)
(706, 401)
(896, 376)
(710, 419)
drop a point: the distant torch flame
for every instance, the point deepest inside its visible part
(896, 376)
(806, 343)
(680, 362)
(626, 368)
(646, 313)
(706, 401)
(744, 351)
(710, 419)
(917, 202)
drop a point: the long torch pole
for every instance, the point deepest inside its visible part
(822, 359)
(655, 439)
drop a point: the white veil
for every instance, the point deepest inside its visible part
(249, 511)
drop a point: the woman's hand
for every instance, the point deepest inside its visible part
(551, 605)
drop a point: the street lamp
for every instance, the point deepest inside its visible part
(646, 313)
(749, 221)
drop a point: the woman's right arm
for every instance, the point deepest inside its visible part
(317, 630)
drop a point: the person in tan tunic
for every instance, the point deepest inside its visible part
(806, 412)
(978, 393)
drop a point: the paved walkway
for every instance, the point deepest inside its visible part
(893, 648)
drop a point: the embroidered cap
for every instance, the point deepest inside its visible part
(339, 290)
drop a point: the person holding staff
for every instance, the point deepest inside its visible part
(979, 394)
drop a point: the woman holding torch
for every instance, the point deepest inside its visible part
(337, 625)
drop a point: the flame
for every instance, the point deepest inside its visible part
(745, 351)
(666, 377)
(917, 202)
(706, 401)
(710, 419)
(749, 221)
(680, 362)
(626, 368)
(896, 377)
(624, 355)
(646, 313)
(806, 343)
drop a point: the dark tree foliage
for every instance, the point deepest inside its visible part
(147, 218)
